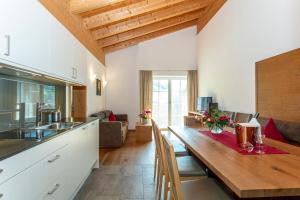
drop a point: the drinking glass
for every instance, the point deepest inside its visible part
(249, 147)
(259, 143)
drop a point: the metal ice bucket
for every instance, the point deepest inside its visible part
(245, 134)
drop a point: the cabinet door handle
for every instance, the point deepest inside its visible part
(54, 159)
(7, 52)
(1, 170)
(54, 189)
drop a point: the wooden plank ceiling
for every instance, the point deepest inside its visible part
(117, 24)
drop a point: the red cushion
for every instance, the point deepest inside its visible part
(272, 132)
(112, 117)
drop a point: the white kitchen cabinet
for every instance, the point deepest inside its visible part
(67, 57)
(19, 187)
(58, 189)
(94, 142)
(33, 39)
(55, 180)
(79, 61)
(24, 34)
(60, 58)
(67, 161)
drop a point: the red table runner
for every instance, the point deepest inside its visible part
(229, 140)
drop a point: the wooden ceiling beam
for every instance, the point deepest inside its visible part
(211, 10)
(92, 7)
(147, 19)
(149, 36)
(134, 10)
(121, 37)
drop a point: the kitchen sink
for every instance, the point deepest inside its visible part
(27, 134)
(39, 133)
(59, 126)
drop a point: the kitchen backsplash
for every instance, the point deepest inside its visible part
(18, 98)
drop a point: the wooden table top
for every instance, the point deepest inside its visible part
(249, 176)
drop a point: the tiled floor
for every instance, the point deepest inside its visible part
(125, 173)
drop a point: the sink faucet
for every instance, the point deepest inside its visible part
(39, 111)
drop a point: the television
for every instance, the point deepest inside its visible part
(203, 103)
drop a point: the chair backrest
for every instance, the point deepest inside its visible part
(159, 144)
(175, 184)
(242, 117)
(229, 114)
(153, 126)
(256, 115)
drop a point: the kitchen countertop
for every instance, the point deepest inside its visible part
(11, 147)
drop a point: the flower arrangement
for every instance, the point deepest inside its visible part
(216, 120)
(146, 114)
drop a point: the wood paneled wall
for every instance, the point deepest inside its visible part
(278, 86)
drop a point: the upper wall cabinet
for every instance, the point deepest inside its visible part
(35, 40)
(67, 55)
(24, 33)
(60, 59)
(79, 60)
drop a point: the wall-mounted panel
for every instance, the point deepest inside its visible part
(278, 86)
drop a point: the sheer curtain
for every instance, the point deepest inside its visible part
(192, 89)
(146, 82)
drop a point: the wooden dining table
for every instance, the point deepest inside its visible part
(248, 176)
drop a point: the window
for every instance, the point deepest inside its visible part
(169, 99)
(161, 101)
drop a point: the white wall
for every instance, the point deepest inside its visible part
(176, 51)
(94, 70)
(242, 33)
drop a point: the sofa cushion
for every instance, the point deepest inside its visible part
(272, 132)
(112, 117)
(289, 130)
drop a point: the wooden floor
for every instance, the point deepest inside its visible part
(125, 173)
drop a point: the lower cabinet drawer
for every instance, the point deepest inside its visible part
(18, 187)
(12, 166)
(58, 189)
(30, 183)
(48, 169)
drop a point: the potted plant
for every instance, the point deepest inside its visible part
(216, 121)
(145, 116)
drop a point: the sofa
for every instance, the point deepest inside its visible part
(289, 130)
(112, 134)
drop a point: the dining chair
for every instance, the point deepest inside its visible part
(242, 117)
(256, 115)
(189, 168)
(229, 114)
(178, 148)
(204, 189)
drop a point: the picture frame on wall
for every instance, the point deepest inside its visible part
(98, 87)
